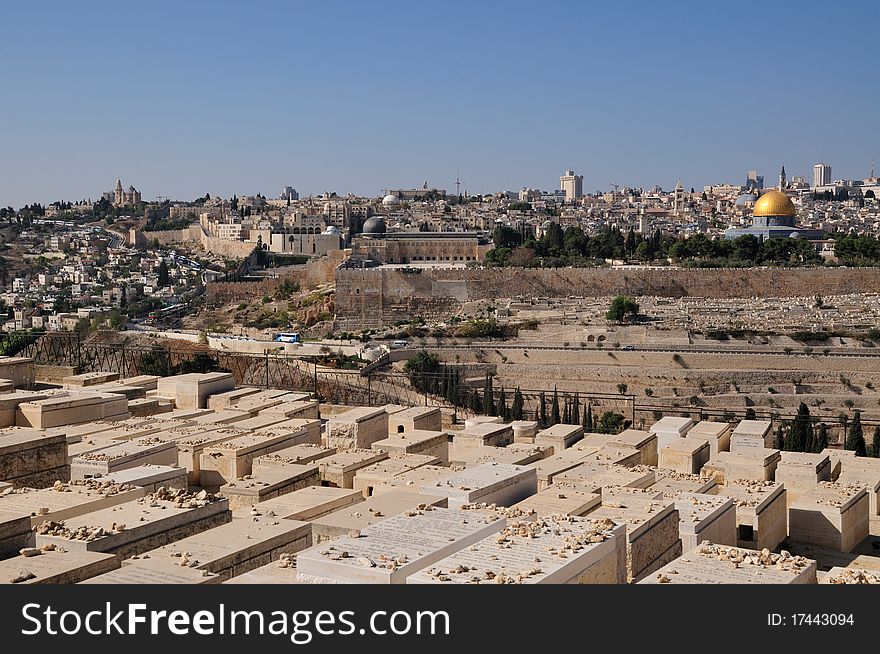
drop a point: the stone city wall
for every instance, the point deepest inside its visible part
(373, 297)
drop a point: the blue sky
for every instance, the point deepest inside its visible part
(182, 98)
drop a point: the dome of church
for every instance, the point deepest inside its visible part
(390, 199)
(746, 198)
(374, 225)
(774, 203)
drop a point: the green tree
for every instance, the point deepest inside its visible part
(750, 414)
(875, 443)
(622, 308)
(588, 418)
(164, 277)
(801, 430)
(503, 411)
(611, 422)
(554, 408)
(506, 237)
(855, 440)
(516, 409)
(542, 410)
(821, 438)
(489, 397)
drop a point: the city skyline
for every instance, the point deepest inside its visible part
(391, 95)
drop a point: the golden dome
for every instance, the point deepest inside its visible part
(774, 203)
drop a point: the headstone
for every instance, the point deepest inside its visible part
(89, 379)
(191, 390)
(756, 464)
(801, 472)
(340, 469)
(621, 455)
(751, 436)
(352, 520)
(652, 528)
(833, 516)
(142, 574)
(301, 454)
(415, 418)
(262, 485)
(869, 478)
(230, 460)
(761, 513)
(432, 443)
(150, 477)
(129, 454)
(549, 550)
(282, 571)
(137, 526)
(71, 409)
(251, 540)
(298, 409)
(721, 564)
(479, 420)
(517, 454)
(390, 551)
(493, 483)
(559, 436)
(357, 428)
(644, 441)
(670, 428)
(414, 479)
(33, 458)
(54, 566)
(220, 401)
(65, 501)
(717, 433)
(547, 468)
(560, 501)
(309, 503)
(706, 517)
(687, 455)
(487, 433)
(593, 476)
(524, 431)
(365, 479)
(15, 533)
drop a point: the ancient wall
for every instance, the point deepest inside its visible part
(372, 297)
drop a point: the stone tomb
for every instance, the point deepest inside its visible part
(547, 469)
(414, 479)
(29, 457)
(141, 573)
(309, 503)
(340, 469)
(352, 520)
(65, 501)
(493, 483)
(486, 433)
(391, 550)
(191, 390)
(593, 476)
(366, 479)
(517, 454)
(70, 409)
(15, 533)
(671, 482)
(644, 441)
(549, 550)
(560, 436)
(869, 477)
(652, 527)
(357, 428)
(282, 571)
(220, 401)
(801, 472)
(301, 454)
(560, 501)
(670, 428)
(480, 420)
(89, 379)
(421, 418)
(755, 464)
(706, 517)
(138, 526)
(150, 477)
(9, 403)
(124, 455)
(54, 566)
(524, 431)
(761, 513)
(419, 441)
(147, 382)
(720, 564)
(751, 436)
(302, 430)
(298, 409)
(233, 459)
(226, 417)
(191, 442)
(621, 455)
(246, 543)
(717, 433)
(687, 455)
(270, 482)
(831, 516)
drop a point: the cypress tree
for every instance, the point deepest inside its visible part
(489, 398)
(779, 442)
(588, 418)
(542, 410)
(821, 438)
(517, 409)
(750, 414)
(554, 408)
(801, 430)
(503, 412)
(566, 410)
(575, 409)
(875, 443)
(855, 441)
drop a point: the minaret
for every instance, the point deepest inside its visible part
(782, 184)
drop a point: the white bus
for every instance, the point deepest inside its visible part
(287, 337)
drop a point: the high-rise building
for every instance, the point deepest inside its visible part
(572, 185)
(821, 174)
(289, 193)
(754, 181)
